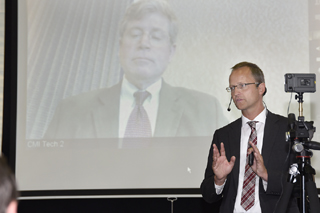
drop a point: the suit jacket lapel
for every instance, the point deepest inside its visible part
(169, 112)
(235, 140)
(106, 117)
(269, 139)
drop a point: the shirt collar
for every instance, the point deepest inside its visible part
(128, 89)
(260, 118)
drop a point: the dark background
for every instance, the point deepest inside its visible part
(115, 205)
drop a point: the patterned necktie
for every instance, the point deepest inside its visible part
(138, 124)
(249, 182)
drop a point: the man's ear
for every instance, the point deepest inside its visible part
(262, 89)
(12, 207)
(172, 52)
(265, 91)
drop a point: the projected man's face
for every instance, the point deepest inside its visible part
(145, 49)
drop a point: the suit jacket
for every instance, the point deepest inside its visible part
(181, 112)
(274, 152)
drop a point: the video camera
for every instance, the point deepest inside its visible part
(300, 131)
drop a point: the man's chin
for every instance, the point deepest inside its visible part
(239, 107)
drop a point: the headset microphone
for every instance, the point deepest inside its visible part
(229, 109)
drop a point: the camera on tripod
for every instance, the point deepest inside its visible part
(299, 135)
(300, 131)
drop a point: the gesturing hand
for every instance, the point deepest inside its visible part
(258, 163)
(221, 166)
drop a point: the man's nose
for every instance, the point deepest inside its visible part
(145, 41)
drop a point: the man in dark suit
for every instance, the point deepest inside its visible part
(147, 44)
(228, 161)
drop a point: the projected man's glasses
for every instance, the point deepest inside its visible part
(154, 38)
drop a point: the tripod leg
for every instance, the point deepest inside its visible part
(313, 197)
(283, 202)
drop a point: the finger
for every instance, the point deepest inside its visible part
(232, 160)
(256, 152)
(222, 150)
(254, 147)
(216, 153)
(250, 149)
(258, 157)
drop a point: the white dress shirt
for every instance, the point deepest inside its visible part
(245, 133)
(127, 103)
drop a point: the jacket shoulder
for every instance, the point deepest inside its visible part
(92, 98)
(230, 127)
(276, 118)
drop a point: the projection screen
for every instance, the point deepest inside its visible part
(70, 50)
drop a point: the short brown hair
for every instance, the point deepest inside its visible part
(255, 70)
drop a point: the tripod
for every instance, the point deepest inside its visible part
(308, 187)
(299, 135)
